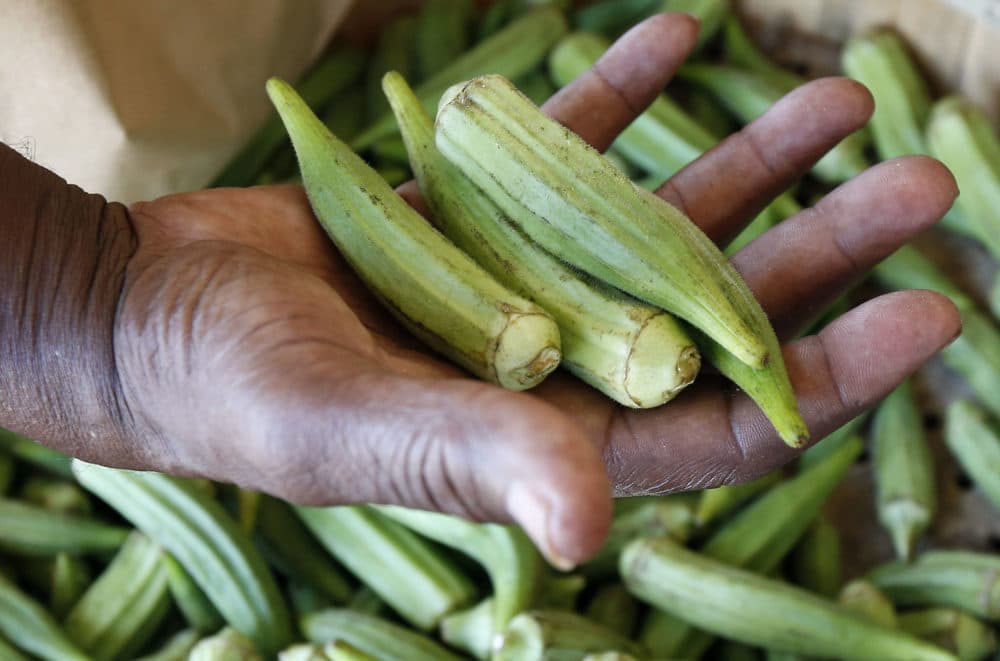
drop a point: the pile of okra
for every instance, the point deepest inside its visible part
(100, 563)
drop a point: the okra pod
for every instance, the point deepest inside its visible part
(747, 607)
(962, 136)
(176, 648)
(471, 630)
(442, 34)
(122, 608)
(70, 579)
(8, 653)
(994, 302)
(338, 650)
(373, 636)
(30, 530)
(816, 564)
(196, 530)
(964, 580)
(365, 600)
(651, 519)
(718, 502)
(35, 454)
(227, 645)
(540, 635)
(335, 73)
(907, 268)
(711, 14)
(614, 608)
(6, 472)
(512, 52)
(632, 352)
(28, 627)
(496, 16)
(294, 551)
(843, 435)
(965, 636)
(536, 85)
(505, 552)
(190, 599)
(743, 52)
(903, 470)
(415, 579)
(764, 221)
(705, 110)
(396, 51)
(760, 535)
(573, 202)
(446, 299)
(881, 62)
(862, 597)
(975, 355)
(55, 495)
(975, 444)
(613, 17)
(561, 592)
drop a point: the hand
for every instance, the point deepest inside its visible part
(247, 351)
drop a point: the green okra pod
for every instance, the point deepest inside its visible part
(8, 653)
(35, 454)
(442, 34)
(510, 559)
(994, 302)
(747, 607)
(338, 650)
(31, 530)
(743, 52)
(831, 444)
(908, 268)
(372, 635)
(650, 519)
(764, 221)
(975, 443)
(344, 117)
(198, 532)
(286, 544)
(227, 645)
(471, 630)
(30, 628)
(711, 15)
(903, 470)
(512, 52)
(333, 74)
(705, 110)
(444, 298)
(304, 598)
(122, 608)
(190, 599)
(862, 597)
(634, 353)
(881, 62)
(963, 137)
(410, 575)
(540, 635)
(70, 579)
(975, 355)
(175, 648)
(761, 535)
(536, 85)
(816, 563)
(716, 503)
(572, 201)
(55, 495)
(960, 579)
(614, 608)
(965, 636)
(396, 51)
(613, 17)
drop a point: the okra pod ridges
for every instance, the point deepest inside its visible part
(372, 635)
(634, 353)
(444, 298)
(567, 197)
(747, 607)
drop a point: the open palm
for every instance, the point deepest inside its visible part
(248, 351)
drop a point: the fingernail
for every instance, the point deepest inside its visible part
(534, 513)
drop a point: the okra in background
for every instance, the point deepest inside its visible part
(471, 630)
(371, 635)
(862, 597)
(969, 581)
(815, 562)
(555, 635)
(442, 35)
(974, 441)
(614, 608)
(31, 629)
(959, 633)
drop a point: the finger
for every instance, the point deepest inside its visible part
(600, 103)
(451, 445)
(799, 267)
(709, 437)
(727, 186)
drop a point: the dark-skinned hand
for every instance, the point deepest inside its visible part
(240, 347)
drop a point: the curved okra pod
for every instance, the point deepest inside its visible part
(444, 297)
(961, 579)
(512, 52)
(199, 533)
(190, 599)
(955, 631)
(750, 608)
(410, 575)
(37, 531)
(862, 597)
(371, 635)
(31, 629)
(636, 354)
(975, 444)
(540, 635)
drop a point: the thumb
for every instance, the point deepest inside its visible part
(451, 445)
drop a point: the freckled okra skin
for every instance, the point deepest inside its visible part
(631, 351)
(744, 606)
